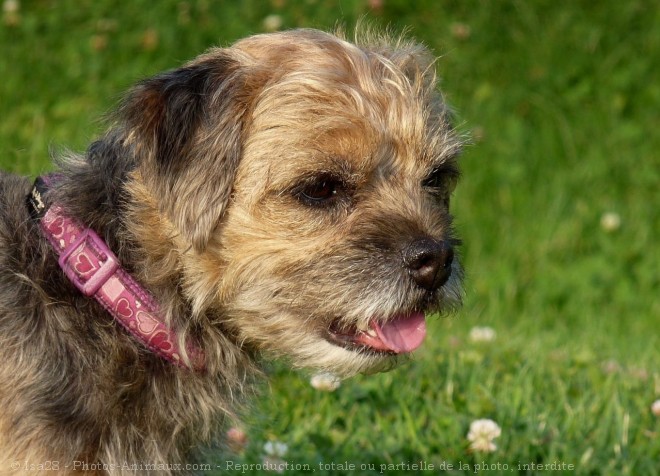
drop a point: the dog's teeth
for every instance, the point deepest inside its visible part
(371, 333)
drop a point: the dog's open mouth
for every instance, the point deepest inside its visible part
(400, 335)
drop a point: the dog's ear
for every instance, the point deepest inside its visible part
(185, 128)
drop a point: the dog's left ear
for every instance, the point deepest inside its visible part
(185, 127)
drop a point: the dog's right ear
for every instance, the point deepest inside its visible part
(185, 127)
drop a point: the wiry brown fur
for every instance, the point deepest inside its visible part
(196, 187)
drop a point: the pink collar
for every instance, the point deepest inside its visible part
(93, 268)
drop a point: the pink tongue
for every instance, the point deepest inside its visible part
(405, 333)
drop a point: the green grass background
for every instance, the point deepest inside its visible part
(563, 102)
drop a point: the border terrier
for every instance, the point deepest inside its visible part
(287, 196)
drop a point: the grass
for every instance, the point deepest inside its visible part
(562, 103)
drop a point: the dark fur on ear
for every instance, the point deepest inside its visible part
(180, 122)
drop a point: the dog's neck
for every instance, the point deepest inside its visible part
(93, 268)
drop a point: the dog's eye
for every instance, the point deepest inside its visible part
(442, 181)
(322, 191)
(442, 178)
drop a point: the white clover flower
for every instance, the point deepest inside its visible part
(325, 381)
(481, 435)
(610, 221)
(11, 6)
(11, 12)
(276, 449)
(272, 22)
(655, 408)
(483, 334)
(271, 463)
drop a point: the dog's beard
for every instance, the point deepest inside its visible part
(363, 330)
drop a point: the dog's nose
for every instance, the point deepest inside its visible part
(429, 262)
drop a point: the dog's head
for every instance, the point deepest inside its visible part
(305, 183)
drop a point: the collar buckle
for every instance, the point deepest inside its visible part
(88, 262)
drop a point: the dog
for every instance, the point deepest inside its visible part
(284, 197)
